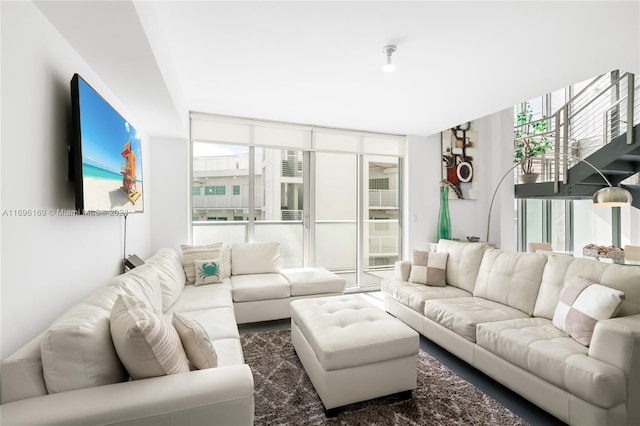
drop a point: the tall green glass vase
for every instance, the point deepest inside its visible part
(444, 221)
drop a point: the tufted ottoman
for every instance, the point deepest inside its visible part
(351, 350)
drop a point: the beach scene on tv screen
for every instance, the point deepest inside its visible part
(111, 156)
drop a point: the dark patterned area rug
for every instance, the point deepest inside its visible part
(284, 394)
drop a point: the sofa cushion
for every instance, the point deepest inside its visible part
(255, 258)
(414, 295)
(218, 323)
(463, 262)
(203, 252)
(143, 283)
(77, 350)
(402, 270)
(463, 314)
(535, 345)
(208, 271)
(229, 351)
(195, 298)
(171, 275)
(561, 270)
(428, 268)
(306, 281)
(512, 279)
(582, 304)
(196, 342)
(147, 344)
(259, 287)
(552, 283)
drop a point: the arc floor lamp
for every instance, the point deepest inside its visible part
(610, 196)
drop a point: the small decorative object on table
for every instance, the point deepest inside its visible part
(473, 239)
(606, 252)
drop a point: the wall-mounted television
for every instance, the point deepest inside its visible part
(105, 155)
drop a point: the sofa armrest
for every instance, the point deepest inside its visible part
(616, 341)
(402, 270)
(622, 333)
(222, 395)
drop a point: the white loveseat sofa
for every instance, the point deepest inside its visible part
(496, 313)
(70, 374)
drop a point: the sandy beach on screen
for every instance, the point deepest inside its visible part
(107, 194)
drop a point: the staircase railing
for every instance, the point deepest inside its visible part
(595, 116)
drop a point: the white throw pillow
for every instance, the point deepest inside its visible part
(145, 341)
(429, 268)
(202, 252)
(77, 351)
(255, 258)
(582, 304)
(208, 271)
(196, 342)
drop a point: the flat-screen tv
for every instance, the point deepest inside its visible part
(105, 155)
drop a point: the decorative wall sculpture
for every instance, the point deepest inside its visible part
(459, 148)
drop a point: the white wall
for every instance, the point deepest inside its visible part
(170, 193)
(49, 263)
(468, 217)
(422, 177)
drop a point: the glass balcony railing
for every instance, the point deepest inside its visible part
(335, 245)
(383, 198)
(223, 201)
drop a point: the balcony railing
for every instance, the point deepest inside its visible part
(291, 165)
(335, 244)
(291, 215)
(224, 201)
(383, 198)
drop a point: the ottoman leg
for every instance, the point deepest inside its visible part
(408, 394)
(332, 412)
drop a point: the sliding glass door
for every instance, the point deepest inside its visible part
(331, 198)
(336, 225)
(279, 207)
(381, 218)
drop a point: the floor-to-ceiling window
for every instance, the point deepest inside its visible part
(569, 225)
(382, 220)
(220, 192)
(546, 221)
(336, 213)
(330, 197)
(280, 202)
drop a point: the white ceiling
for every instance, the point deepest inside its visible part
(319, 62)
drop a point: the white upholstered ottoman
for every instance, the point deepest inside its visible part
(351, 350)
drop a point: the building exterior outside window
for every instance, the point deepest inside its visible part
(334, 205)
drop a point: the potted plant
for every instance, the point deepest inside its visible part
(530, 141)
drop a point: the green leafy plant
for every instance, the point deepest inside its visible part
(530, 139)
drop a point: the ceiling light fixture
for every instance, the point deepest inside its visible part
(388, 50)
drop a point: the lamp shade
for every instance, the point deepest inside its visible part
(612, 196)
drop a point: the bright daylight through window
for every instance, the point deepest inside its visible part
(331, 198)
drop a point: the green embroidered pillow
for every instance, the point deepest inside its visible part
(208, 271)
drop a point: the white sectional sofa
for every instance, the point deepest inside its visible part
(71, 374)
(496, 313)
